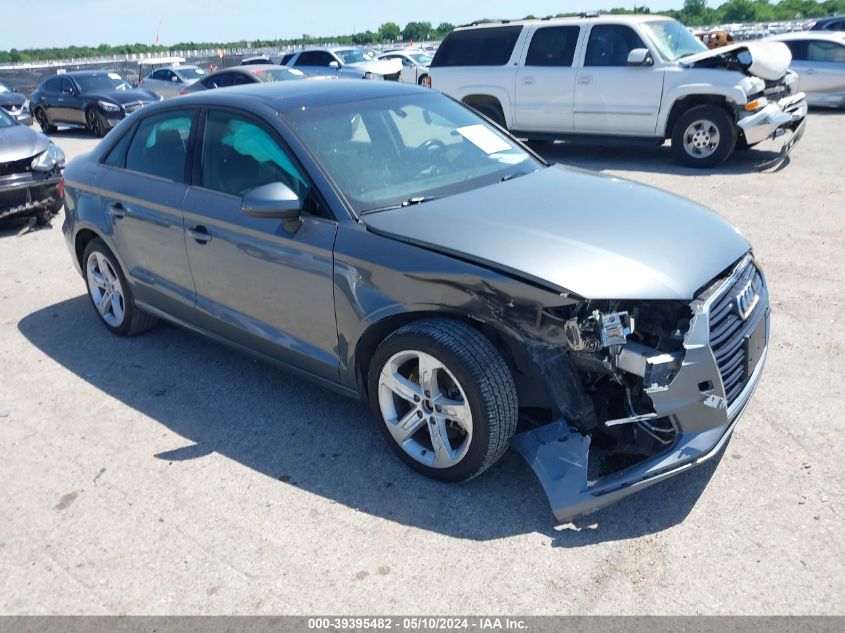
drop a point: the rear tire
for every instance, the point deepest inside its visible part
(703, 136)
(444, 398)
(110, 293)
(44, 121)
(492, 112)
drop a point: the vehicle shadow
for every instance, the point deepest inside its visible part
(71, 133)
(305, 436)
(653, 158)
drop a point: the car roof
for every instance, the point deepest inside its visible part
(614, 18)
(831, 36)
(289, 95)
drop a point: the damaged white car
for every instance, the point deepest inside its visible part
(628, 76)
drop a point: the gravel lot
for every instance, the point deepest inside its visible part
(167, 474)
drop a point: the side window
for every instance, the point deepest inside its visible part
(239, 155)
(240, 79)
(488, 46)
(822, 51)
(314, 58)
(286, 59)
(222, 80)
(67, 86)
(798, 48)
(117, 155)
(610, 44)
(158, 75)
(53, 85)
(159, 147)
(553, 46)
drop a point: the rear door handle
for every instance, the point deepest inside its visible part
(585, 80)
(200, 234)
(117, 210)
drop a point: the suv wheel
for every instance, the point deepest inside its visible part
(443, 398)
(703, 136)
(110, 293)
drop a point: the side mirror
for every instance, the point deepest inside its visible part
(274, 200)
(174, 79)
(335, 65)
(640, 57)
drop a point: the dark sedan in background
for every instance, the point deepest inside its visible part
(15, 105)
(247, 74)
(94, 100)
(30, 171)
(388, 242)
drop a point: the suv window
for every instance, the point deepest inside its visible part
(610, 44)
(553, 46)
(477, 47)
(286, 59)
(315, 58)
(159, 147)
(822, 51)
(238, 155)
(53, 85)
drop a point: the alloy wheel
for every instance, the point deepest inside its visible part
(701, 138)
(105, 289)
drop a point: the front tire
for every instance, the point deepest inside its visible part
(110, 293)
(704, 136)
(96, 122)
(443, 398)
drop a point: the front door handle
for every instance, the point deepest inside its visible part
(117, 210)
(200, 234)
(585, 80)
(528, 81)
(810, 71)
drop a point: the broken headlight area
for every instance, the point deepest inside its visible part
(622, 351)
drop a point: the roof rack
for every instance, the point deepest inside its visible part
(589, 14)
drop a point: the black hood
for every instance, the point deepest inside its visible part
(123, 97)
(11, 99)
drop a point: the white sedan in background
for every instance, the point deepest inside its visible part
(819, 59)
(170, 81)
(415, 64)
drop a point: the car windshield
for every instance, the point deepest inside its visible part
(352, 56)
(189, 74)
(421, 58)
(383, 153)
(277, 74)
(99, 83)
(673, 40)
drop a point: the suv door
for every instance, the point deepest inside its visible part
(610, 96)
(258, 284)
(545, 81)
(146, 186)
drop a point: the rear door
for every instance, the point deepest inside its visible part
(610, 96)
(49, 98)
(146, 187)
(545, 81)
(258, 284)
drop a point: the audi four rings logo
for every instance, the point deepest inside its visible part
(746, 300)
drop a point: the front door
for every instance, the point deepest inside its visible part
(146, 188)
(820, 65)
(610, 96)
(258, 284)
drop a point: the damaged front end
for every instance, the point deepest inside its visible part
(664, 384)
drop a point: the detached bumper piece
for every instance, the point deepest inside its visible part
(29, 194)
(786, 117)
(725, 351)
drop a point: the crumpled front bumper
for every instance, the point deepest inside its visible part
(30, 192)
(787, 115)
(696, 400)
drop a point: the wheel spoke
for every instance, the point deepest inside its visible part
(405, 428)
(104, 303)
(452, 410)
(117, 306)
(400, 385)
(443, 454)
(98, 279)
(428, 367)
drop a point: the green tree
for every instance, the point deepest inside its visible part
(417, 31)
(444, 28)
(389, 32)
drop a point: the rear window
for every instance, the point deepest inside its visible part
(477, 47)
(553, 46)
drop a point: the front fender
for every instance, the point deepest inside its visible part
(734, 95)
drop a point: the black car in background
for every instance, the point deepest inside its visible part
(95, 100)
(248, 74)
(835, 23)
(15, 104)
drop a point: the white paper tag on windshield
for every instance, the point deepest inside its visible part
(484, 139)
(115, 76)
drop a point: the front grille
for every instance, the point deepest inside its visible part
(22, 166)
(775, 90)
(392, 77)
(729, 331)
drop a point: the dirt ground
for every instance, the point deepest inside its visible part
(167, 474)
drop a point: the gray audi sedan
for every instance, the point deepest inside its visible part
(391, 244)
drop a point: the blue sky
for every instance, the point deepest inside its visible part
(92, 22)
